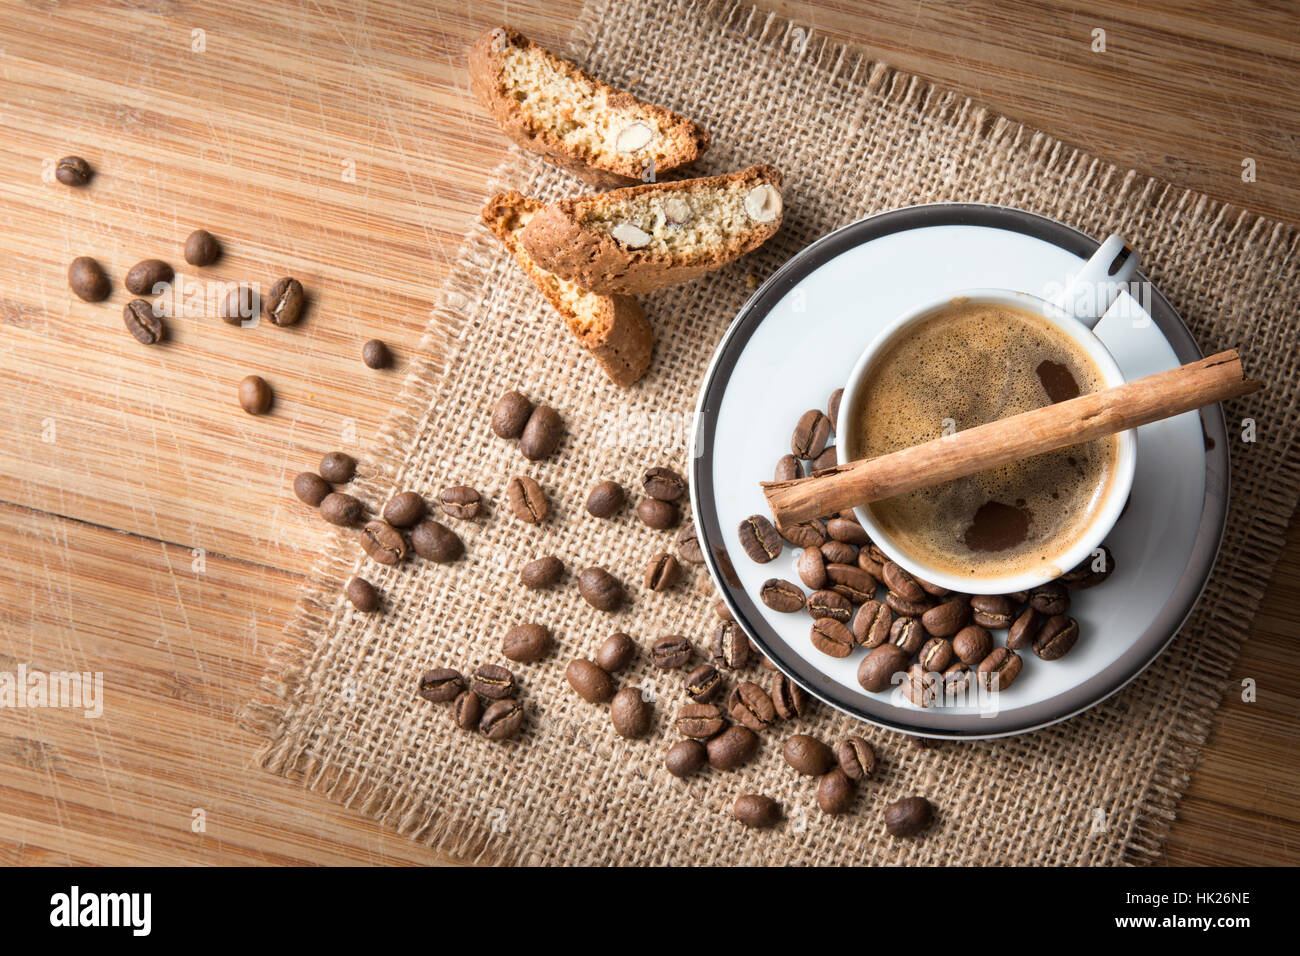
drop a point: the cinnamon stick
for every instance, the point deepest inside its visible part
(1096, 415)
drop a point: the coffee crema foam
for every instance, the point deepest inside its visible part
(966, 365)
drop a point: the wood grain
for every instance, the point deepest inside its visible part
(338, 142)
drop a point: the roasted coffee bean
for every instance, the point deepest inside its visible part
(877, 670)
(850, 581)
(688, 546)
(73, 171)
(492, 682)
(542, 433)
(879, 557)
(383, 542)
(935, 654)
(901, 582)
(759, 539)
(835, 792)
(629, 711)
(1017, 598)
(284, 303)
(255, 395)
(731, 648)
(375, 354)
(840, 552)
(808, 755)
(240, 306)
(404, 509)
(807, 534)
(338, 467)
(908, 634)
(872, 623)
(832, 637)
(934, 590)
(502, 719)
(441, 685)
(202, 248)
(812, 569)
(830, 604)
(992, 611)
(616, 652)
(310, 488)
(600, 589)
(526, 643)
(811, 433)
(787, 469)
(732, 748)
(833, 409)
(510, 416)
(999, 670)
(1022, 632)
(685, 758)
(908, 817)
(1057, 637)
(466, 710)
(662, 572)
(905, 608)
(362, 594)
(657, 514)
(1091, 571)
(720, 608)
(946, 619)
(756, 810)
(750, 705)
(341, 509)
(972, 644)
(140, 320)
(541, 573)
(461, 501)
(87, 279)
(663, 483)
(788, 697)
(956, 680)
(605, 499)
(671, 652)
(700, 721)
(149, 277)
(825, 461)
(1050, 599)
(847, 530)
(527, 500)
(590, 680)
(867, 562)
(781, 595)
(703, 683)
(856, 758)
(434, 541)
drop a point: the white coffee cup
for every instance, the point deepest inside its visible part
(1075, 312)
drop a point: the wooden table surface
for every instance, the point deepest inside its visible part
(146, 527)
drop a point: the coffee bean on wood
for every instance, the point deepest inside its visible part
(630, 713)
(362, 594)
(526, 643)
(759, 539)
(541, 573)
(202, 248)
(73, 171)
(811, 433)
(284, 303)
(663, 483)
(781, 595)
(239, 306)
(590, 680)
(140, 320)
(341, 509)
(338, 467)
(87, 279)
(657, 514)
(600, 589)
(404, 509)
(434, 541)
(605, 499)
(310, 488)
(375, 354)
(662, 572)
(383, 542)
(510, 415)
(441, 684)
(616, 652)
(685, 758)
(502, 719)
(149, 277)
(542, 433)
(527, 500)
(461, 501)
(732, 748)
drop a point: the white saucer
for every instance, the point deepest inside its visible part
(775, 362)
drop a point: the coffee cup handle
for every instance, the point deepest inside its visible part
(1096, 286)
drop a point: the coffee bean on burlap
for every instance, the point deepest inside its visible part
(731, 648)
(510, 415)
(759, 539)
(492, 682)
(466, 710)
(685, 758)
(662, 572)
(756, 810)
(671, 652)
(781, 595)
(502, 719)
(362, 594)
(835, 792)
(341, 509)
(750, 705)
(808, 755)
(527, 500)
(605, 499)
(688, 545)
(663, 483)
(461, 501)
(732, 748)
(856, 758)
(590, 680)
(542, 573)
(434, 541)
(832, 637)
(700, 721)
(616, 652)
(542, 433)
(526, 643)
(630, 713)
(310, 488)
(703, 684)
(600, 589)
(404, 509)
(657, 514)
(383, 542)
(441, 684)
(788, 697)
(908, 817)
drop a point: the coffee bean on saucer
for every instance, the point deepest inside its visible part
(908, 634)
(829, 604)
(759, 539)
(527, 500)
(908, 817)
(590, 680)
(1022, 632)
(310, 488)
(806, 534)
(703, 683)
(685, 758)
(662, 572)
(700, 721)
(808, 755)
(992, 611)
(404, 509)
(542, 433)
(832, 637)
(956, 680)
(856, 758)
(833, 409)
(671, 652)
(1050, 599)
(616, 652)
(788, 697)
(526, 643)
(946, 619)
(341, 509)
(867, 562)
(502, 719)
(338, 467)
(629, 712)
(1091, 571)
(434, 541)
(73, 171)
(750, 705)
(657, 514)
(781, 595)
(492, 682)
(877, 670)
(441, 684)
(688, 545)
(664, 484)
(732, 748)
(972, 644)
(871, 624)
(835, 792)
(202, 248)
(935, 654)
(1057, 637)
(840, 552)
(850, 581)
(1000, 668)
(142, 322)
(145, 277)
(1017, 598)
(811, 433)
(510, 415)
(461, 501)
(787, 469)
(383, 542)
(756, 810)
(283, 304)
(847, 530)
(901, 582)
(87, 279)
(812, 568)
(825, 461)
(600, 589)
(542, 573)
(466, 710)
(375, 354)
(605, 499)
(731, 648)
(905, 608)
(362, 594)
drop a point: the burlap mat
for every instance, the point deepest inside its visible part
(854, 137)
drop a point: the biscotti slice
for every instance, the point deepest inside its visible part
(644, 237)
(549, 106)
(612, 328)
